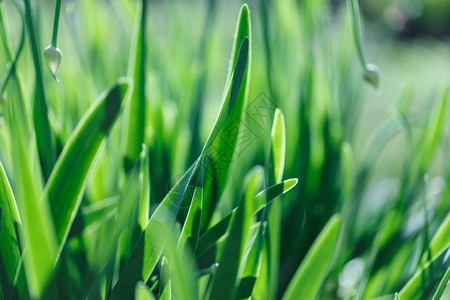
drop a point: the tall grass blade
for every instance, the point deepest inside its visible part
(433, 133)
(224, 283)
(252, 266)
(146, 252)
(440, 239)
(443, 284)
(269, 276)
(134, 114)
(182, 282)
(9, 242)
(165, 289)
(265, 197)
(220, 147)
(44, 135)
(65, 186)
(144, 179)
(310, 275)
(422, 284)
(191, 228)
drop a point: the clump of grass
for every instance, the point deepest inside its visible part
(276, 201)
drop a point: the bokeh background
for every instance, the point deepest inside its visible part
(304, 61)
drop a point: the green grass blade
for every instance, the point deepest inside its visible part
(44, 137)
(142, 292)
(422, 284)
(144, 179)
(124, 220)
(165, 289)
(266, 196)
(443, 284)
(269, 276)
(252, 266)
(221, 145)
(441, 238)
(432, 134)
(181, 279)
(65, 186)
(310, 275)
(213, 234)
(37, 234)
(146, 252)
(135, 111)
(278, 146)
(9, 243)
(224, 283)
(191, 227)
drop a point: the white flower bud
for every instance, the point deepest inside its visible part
(53, 58)
(371, 75)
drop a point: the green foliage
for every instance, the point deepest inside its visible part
(169, 187)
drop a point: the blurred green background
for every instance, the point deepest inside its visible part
(308, 68)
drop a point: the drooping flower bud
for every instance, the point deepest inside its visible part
(371, 75)
(53, 57)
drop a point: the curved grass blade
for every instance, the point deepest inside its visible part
(441, 238)
(224, 283)
(9, 242)
(134, 114)
(265, 197)
(442, 285)
(191, 227)
(220, 147)
(65, 186)
(310, 275)
(146, 252)
(422, 284)
(213, 234)
(252, 266)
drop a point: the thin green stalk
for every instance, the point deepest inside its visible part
(56, 22)
(370, 70)
(52, 53)
(356, 22)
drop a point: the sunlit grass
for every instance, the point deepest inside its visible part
(156, 165)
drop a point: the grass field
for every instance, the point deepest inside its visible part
(139, 159)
